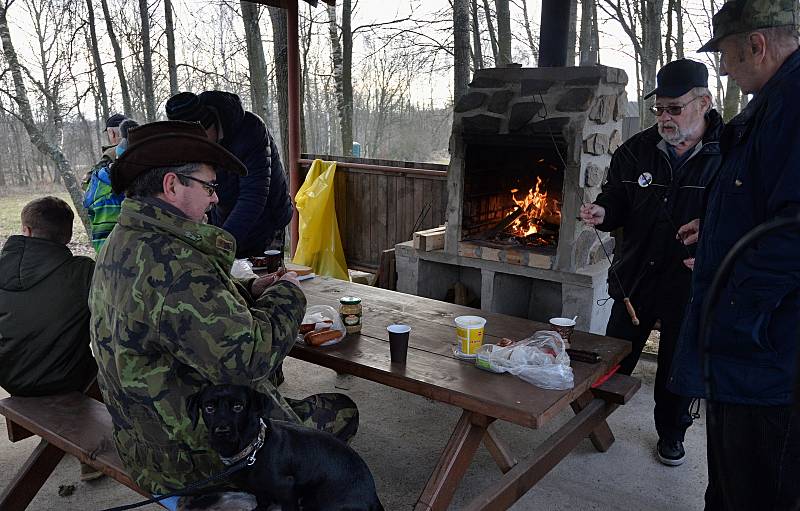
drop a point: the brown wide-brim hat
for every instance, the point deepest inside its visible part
(169, 144)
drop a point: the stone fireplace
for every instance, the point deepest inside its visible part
(528, 146)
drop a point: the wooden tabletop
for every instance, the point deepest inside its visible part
(432, 370)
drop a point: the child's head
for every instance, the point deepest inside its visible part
(49, 218)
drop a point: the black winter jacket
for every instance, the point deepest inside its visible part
(44, 318)
(253, 207)
(650, 214)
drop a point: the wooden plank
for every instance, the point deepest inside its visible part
(452, 465)
(429, 239)
(618, 389)
(381, 220)
(17, 432)
(499, 450)
(517, 481)
(31, 477)
(391, 212)
(386, 272)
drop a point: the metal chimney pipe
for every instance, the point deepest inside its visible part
(554, 33)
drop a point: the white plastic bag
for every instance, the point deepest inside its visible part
(541, 360)
(241, 269)
(318, 314)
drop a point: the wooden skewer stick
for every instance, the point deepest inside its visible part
(631, 311)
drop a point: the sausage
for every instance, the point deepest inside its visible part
(322, 336)
(310, 327)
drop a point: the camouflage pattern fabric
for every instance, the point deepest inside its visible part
(167, 319)
(740, 16)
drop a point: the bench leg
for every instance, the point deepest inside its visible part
(454, 462)
(602, 438)
(31, 477)
(499, 451)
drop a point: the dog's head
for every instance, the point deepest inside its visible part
(231, 414)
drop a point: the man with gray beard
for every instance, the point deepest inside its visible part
(655, 185)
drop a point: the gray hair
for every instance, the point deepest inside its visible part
(698, 92)
(150, 182)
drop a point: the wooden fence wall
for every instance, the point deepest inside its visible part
(380, 203)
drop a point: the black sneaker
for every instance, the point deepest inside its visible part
(670, 452)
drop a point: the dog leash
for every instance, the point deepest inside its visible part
(239, 465)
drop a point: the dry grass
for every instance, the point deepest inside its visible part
(12, 201)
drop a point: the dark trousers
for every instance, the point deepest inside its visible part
(671, 411)
(753, 457)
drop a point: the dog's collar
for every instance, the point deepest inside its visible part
(250, 451)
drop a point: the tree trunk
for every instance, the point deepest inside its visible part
(503, 33)
(651, 50)
(733, 96)
(526, 21)
(477, 50)
(342, 56)
(45, 147)
(147, 64)
(490, 26)
(123, 82)
(172, 66)
(678, 28)
(279, 28)
(460, 48)
(259, 93)
(668, 37)
(588, 51)
(573, 32)
(98, 63)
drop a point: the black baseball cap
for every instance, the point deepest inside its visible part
(679, 77)
(115, 120)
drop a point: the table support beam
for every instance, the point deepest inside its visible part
(31, 477)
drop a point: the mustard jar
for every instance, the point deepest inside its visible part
(350, 311)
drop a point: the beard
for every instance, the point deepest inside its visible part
(673, 134)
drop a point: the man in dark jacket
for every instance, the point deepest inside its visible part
(44, 323)
(655, 184)
(255, 208)
(747, 366)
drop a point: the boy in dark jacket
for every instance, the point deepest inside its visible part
(655, 184)
(254, 208)
(44, 325)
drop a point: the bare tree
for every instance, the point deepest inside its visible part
(588, 48)
(123, 81)
(490, 27)
(169, 31)
(257, 64)
(342, 57)
(477, 50)
(572, 32)
(147, 63)
(279, 33)
(98, 63)
(503, 33)
(526, 22)
(49, 147)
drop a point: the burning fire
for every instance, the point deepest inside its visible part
(536, 209)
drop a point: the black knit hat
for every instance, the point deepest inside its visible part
(187, 106)
(115, 120)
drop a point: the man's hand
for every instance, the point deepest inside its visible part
(262, 283)
(689, 233)
(592, 214)
(689, 263)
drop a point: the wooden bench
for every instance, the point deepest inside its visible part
(72, 423)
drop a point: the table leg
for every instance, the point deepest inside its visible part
(499, 451)
(31, 477)
(454, 461)
(601, 437)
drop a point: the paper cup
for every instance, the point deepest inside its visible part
(398, 342)
(564, 327)
(469, 330)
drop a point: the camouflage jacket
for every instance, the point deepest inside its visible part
(167, 319)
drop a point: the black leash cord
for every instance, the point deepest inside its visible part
(721, 279)
(188, 489)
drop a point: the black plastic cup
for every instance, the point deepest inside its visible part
(398, 342)
(274, 260)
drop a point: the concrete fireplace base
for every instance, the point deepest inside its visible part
(524, 291)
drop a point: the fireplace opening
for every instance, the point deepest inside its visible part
(513, 196)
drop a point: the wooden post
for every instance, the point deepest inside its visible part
(294, 111)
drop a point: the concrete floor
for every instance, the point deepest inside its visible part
(401, 436)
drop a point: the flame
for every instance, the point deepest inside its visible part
(535, 207)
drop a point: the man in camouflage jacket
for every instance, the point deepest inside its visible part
(168, 319)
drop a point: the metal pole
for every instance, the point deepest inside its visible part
(293, 55)
(553, 34)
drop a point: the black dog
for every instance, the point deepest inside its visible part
(297, 467)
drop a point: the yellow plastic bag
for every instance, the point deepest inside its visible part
(320, 246)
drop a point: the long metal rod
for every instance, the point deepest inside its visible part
(384, 168)
(293, 54)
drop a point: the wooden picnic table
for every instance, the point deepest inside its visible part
(434, 372)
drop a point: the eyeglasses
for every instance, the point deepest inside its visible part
(671, 109)
(208, 186)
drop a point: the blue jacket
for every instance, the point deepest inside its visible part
(751, 355)
(254, 207)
